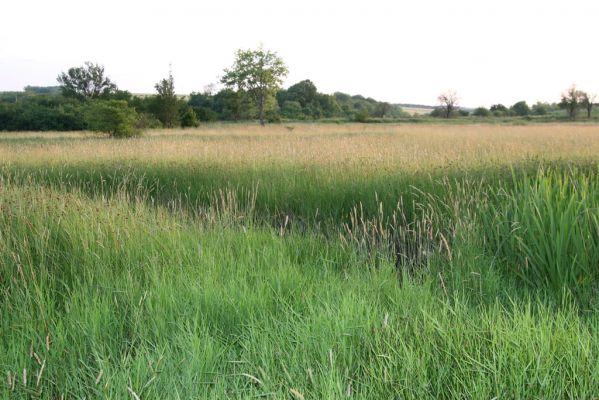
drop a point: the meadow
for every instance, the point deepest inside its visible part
(301, 261)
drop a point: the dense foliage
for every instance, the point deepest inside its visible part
(114, 117)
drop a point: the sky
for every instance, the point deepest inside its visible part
(398, 51)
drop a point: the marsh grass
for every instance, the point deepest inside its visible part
(128, 272)
(547, 229)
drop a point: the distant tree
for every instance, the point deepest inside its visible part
(39, 90)
(449, 103)
(86, 82)
(120, 95)
(481, 112)
(114, 117)
(304, 92)
(203, 104)
(571, 101)
(257, 73)
(292, 110)
(233, 106)
(165, 105)
(329, 105)
(588, 101)
(540, 108)
(382, 109)
(499, 110)
(521, 109)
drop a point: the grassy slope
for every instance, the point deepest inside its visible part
(113, 294)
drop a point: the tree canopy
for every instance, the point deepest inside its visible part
(257, 73)
(86, 82)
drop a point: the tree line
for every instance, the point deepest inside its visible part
(251, 89)
(572, 101)
(87, 98)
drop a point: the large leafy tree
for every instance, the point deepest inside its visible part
(258, 74)
(166, 107)
(521, 109)
(86, 82)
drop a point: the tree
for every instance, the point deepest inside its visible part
(481, 112)
(165, 103)
(521, 109)
(231, 105)
(303, 92)
(329, 105)
(292, 110)
(499, 110)
(114, 117)
(86, 82)
(571, 100)
(382, 109)
(540, 108)
(449, 103)
(257, 73)
(587, 101)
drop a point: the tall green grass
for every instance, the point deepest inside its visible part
(147, 278)
(115, 298)
(546, 229)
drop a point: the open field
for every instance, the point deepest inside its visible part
(301, 261)
(417, 110)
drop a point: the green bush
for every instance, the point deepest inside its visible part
(42, 113)
(147, 120)
(481, 112)
(114, 117)
(361, 116)
(188, 118)
(206, 114)
(292, 110)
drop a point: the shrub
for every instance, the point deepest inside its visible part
(206, 114)
(481, 112)
(114, 117)
(188, 118)
(361, 116)
(42, 113)
(147, 120)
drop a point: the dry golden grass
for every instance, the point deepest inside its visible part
(346, 145)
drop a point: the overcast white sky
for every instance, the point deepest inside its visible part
(402, 52)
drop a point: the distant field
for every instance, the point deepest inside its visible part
(417, 110)
(409, 147)
(301, 261)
